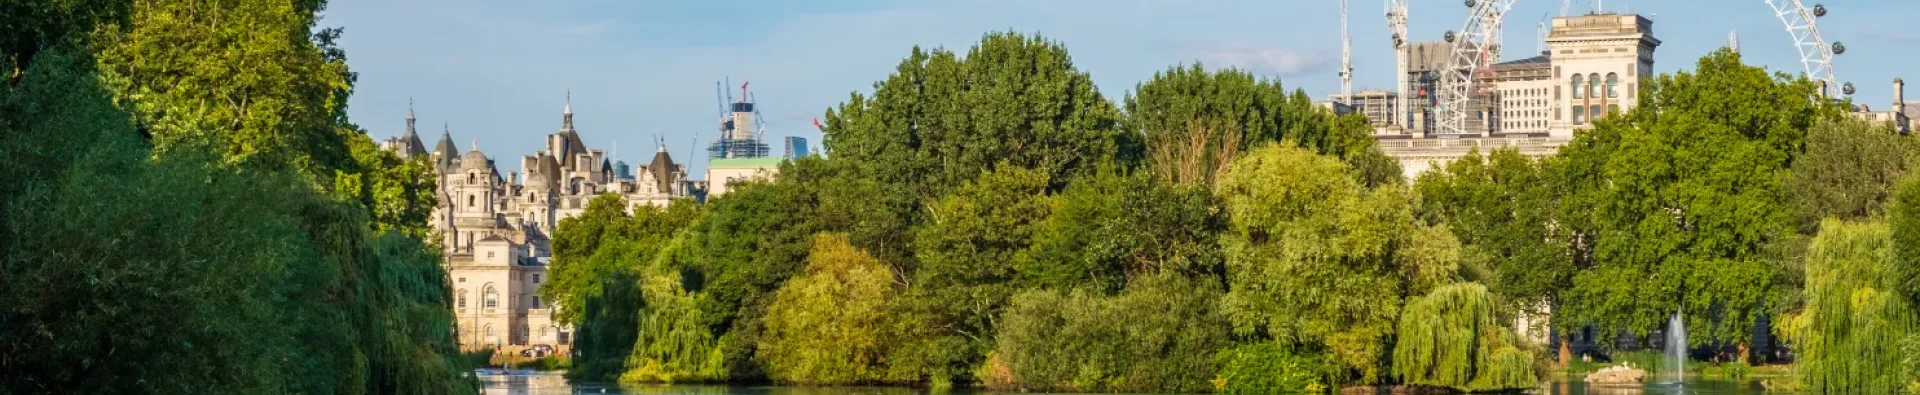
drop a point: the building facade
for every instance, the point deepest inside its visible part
(1591, 69)
(497, 229)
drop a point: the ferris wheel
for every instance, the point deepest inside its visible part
(1816, 56)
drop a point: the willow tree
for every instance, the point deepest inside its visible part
(1317, 262)
(1451, 338)
(1857, 313)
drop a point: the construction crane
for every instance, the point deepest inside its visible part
(1346, 58)
(1475, 48)
(1397, 22)
(1816, 57)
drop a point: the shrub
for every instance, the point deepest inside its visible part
(1157, 335)
(1268, 367)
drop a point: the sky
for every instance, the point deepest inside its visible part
(497, 73)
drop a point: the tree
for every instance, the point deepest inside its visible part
(1112, 226)
(1316, 261)
(1452, 338)
(967, 252)
(1160, 334)
(1503, 208)
(1848, 172)
(1195, 121)
(828, 326)
(180, 71)
(941, 120)
(1683, 194)
(1858, 310)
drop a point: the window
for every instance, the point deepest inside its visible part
(469, 200)
(489, 254)
(461, 300)
(471, 178)
(1593, 88)
(463, 279)
(487, 333)
(535, 303)
(1613, 85)
(1579, 82)
(1579, 115)
(1594, 113)
(536, 278)
(491, 298)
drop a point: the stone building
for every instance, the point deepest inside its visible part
(1592, 69)
(496, 229)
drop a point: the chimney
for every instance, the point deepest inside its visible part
(1899, 94)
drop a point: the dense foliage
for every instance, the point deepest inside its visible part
(1435, 325)
(1857, 313)
(992, 220)
(181, 222)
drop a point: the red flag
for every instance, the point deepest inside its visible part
(816, 124)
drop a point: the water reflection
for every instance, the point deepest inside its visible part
(534, 383)
(1695, 387)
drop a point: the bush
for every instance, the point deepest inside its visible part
(1268, 367)
(1157, 335)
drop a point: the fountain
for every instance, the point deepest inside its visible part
(1677, 346)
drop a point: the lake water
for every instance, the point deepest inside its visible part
(553, 384)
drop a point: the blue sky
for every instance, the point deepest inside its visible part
(498, 71)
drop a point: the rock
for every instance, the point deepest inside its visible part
(1617, 375)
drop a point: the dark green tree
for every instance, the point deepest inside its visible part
(1683, 194)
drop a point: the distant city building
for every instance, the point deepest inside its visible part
(1591, 69)
(722, 174)
(497, 230)
(796, 147)
(1900, 115)
(739, 132)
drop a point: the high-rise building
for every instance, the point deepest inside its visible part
(796, 147)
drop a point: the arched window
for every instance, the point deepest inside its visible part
(1613, 85)
(487, 332)
(469, 200)
(471, 178)
(1593, 89)
(461, 300)
(490, 298)
(1579, 83)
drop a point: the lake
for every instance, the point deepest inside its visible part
(553, 384)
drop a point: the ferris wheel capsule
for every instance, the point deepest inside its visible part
(1819, 10)
(1450, 36)
(1839, 48)
(1847, 88)
(1471, 3)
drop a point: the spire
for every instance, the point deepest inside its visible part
(1733, 41)
(476, 145)
(409, 114)
(566, 115)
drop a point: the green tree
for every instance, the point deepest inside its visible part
(1316, 261)
(1160, 334)
(1502, 207)
(1195, 121)
(1451, 338)
(179, 70)
(1683, 194)
(1858, 310)
(1112, 226)
(829, 326)
(967, 253)
(1848, 171)
(940, 120)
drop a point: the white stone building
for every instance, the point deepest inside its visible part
(496, 229)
